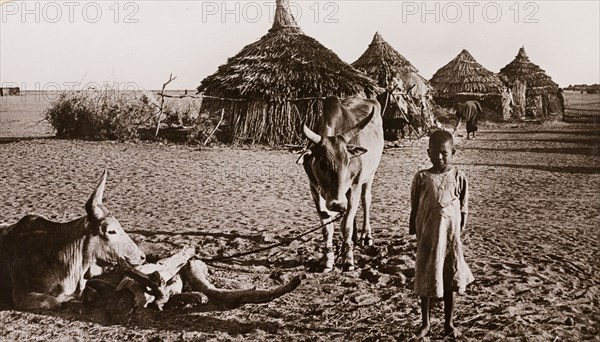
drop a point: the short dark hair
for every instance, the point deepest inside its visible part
(440, 136)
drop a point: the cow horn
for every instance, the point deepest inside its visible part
(94, 206)
(348, 135)
(312, 136)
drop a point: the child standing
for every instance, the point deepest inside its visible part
(439, 207)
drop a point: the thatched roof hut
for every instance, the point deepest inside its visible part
(390, 69)
(383, 63)
(464, 75)
(463, 79)
(534, 92)
(273, 86)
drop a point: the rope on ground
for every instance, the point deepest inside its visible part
(282, 243)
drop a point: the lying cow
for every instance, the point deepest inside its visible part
(45, 263)
(340, 162)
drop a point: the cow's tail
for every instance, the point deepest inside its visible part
(478, 107)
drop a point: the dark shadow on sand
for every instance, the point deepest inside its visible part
(589, 170)
(226, 236)
(562, 140)
(595, 133)
(9, 140)
(588, 151)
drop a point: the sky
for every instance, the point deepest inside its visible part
(62, 45)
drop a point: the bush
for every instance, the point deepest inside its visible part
(181, 112)
(205, 124)
(105, 114)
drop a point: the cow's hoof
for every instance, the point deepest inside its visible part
(348, 268)
(327, 266)
(327, 269)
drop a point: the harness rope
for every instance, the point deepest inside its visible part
(282, 243)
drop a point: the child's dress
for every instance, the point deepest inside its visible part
(440, 264)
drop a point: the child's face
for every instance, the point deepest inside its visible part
(440, 155)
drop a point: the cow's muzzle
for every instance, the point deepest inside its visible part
(338, 206)
(136, 260)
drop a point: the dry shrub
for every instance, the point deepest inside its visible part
(104, 114)
(182, 112)
(205, 125)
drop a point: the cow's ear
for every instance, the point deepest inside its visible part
(356, 151)
(303, 157)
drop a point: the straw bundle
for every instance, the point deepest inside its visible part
(278, 82)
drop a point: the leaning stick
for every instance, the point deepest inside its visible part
(162, 103)
(216, 127)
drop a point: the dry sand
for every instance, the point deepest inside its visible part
(532, 240)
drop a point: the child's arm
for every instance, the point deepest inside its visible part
(464, 201)
(414, 206)
(412, 226)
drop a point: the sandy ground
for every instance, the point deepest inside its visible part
(531, 242)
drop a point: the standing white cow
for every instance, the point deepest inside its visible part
(45, 263)
(340, 162)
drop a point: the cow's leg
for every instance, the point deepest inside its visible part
(35, 301)
(347, 227)
(328, 259)
(366, 237)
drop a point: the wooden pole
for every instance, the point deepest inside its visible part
(216, 128)
(162, 102)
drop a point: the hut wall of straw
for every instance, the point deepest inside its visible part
(519, 91)
(491, 103)
(270, 123)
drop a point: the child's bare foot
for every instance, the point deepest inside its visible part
(422, 331)
(451, 333)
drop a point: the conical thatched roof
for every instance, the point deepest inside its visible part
(386, 65)
(382, 62)
(463, 75)
(285, 64)
(523, 69)
(272, 79)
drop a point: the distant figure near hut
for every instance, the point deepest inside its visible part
(469, 111)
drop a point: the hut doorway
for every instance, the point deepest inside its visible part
(535, 107)
(402, 117)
